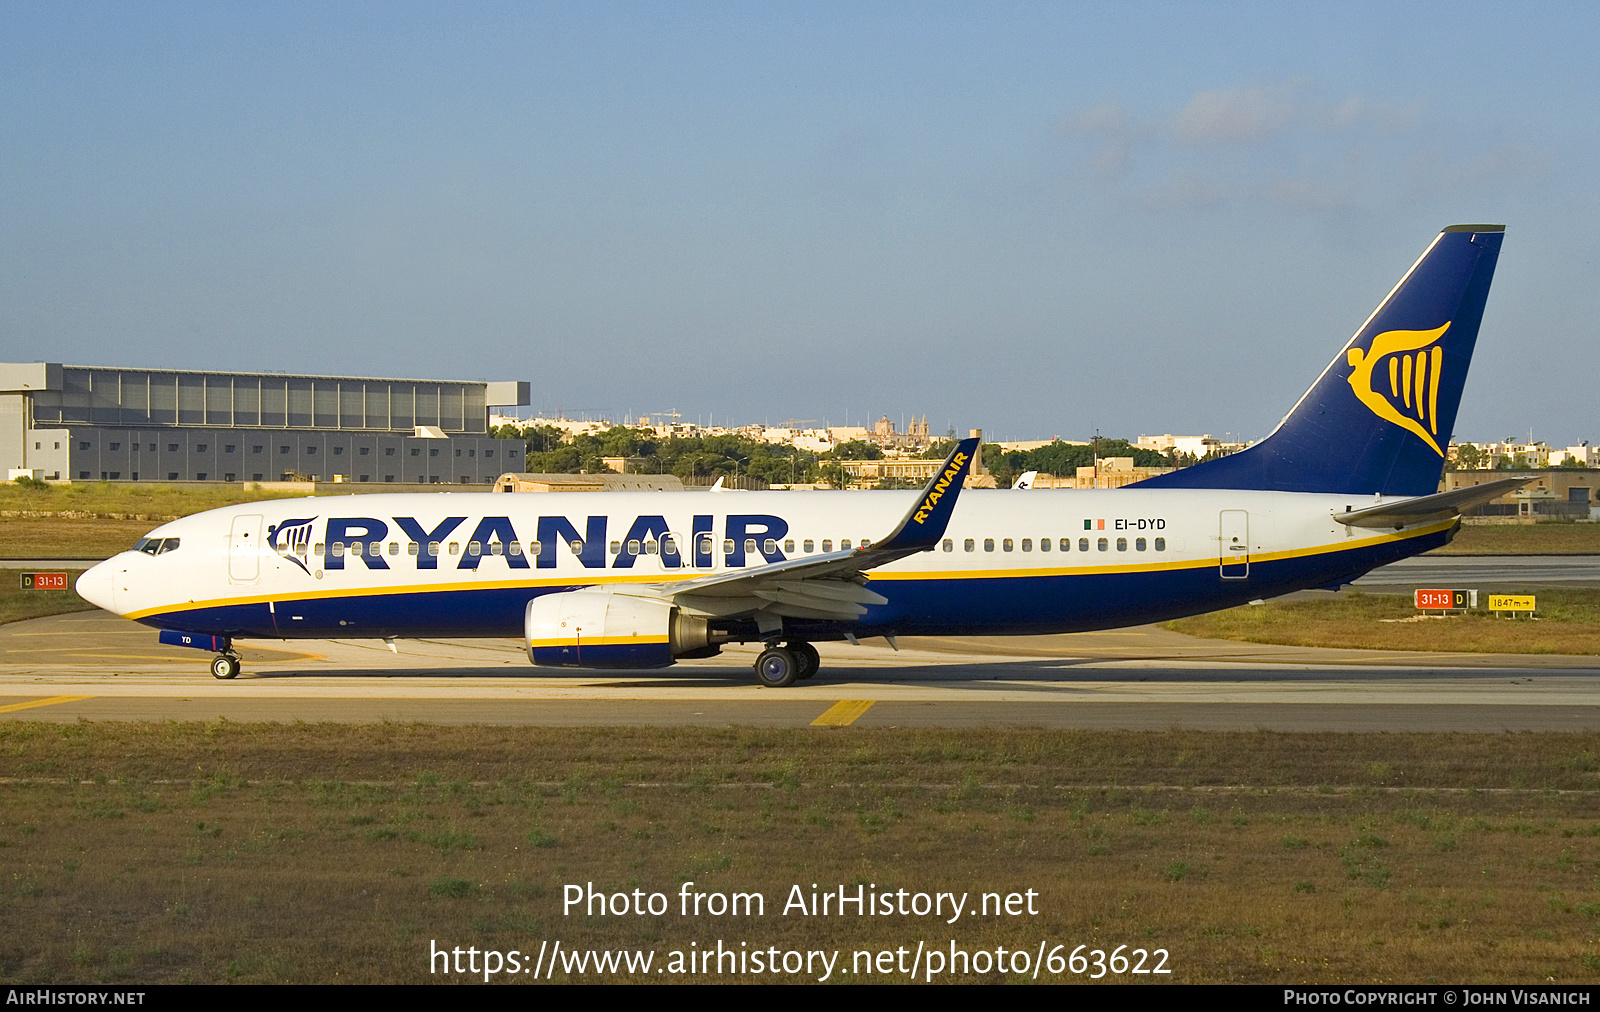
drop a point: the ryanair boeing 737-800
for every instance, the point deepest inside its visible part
(1347, 482)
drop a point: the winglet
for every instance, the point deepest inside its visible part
(1428, 507)
(924, 525)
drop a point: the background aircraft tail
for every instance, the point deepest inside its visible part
(1379, 418)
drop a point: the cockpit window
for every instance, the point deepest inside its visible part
(156, 546)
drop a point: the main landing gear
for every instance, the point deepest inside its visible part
(225, 666)
(779, 667)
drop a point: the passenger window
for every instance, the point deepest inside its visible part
(338, 549)
(827, 546)
(576, 546)
(970, 545)
(808, 546)
(669, 545)
(949, 545)
(788, 546)
(844, 546)
(749, 546)
(1008, 544)
(433, 548)
(727, 546)
(634, 547)
(1139, 544)
(534, 548)
(455, 548)
(1066, 544)
(515, 548)
(1083, 544)
(988, 544)
(496, 548)
(1027, 544)
(770, 546)
(865, 542)
(1103, 545)
(1044, 544)
(1161, 544)
(394, 548)
(616, 548)
(649, 548)
(1122, 544)
(318, 550)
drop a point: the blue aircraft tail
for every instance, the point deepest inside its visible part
(1379, 418)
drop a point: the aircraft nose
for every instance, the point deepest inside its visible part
(96, 585)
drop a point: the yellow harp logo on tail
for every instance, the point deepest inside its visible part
(1408, 395)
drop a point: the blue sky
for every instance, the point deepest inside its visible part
(1038, 219)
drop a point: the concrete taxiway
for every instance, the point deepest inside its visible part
(94, 666)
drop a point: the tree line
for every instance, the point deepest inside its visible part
(551, 450)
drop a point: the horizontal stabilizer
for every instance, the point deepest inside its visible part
(1429, 507)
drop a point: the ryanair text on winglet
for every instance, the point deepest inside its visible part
(956, 463)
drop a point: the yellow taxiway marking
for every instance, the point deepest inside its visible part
(845, 711)
(50, 701)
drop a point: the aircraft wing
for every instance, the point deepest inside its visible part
(1428, 507)
(829, 586)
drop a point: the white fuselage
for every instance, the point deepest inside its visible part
(1011, 561)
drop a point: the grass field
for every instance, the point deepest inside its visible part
(69, 537)
(107, 524)
(1567, 622)
(132, 497)
(1524, 539)
(222, 852)
(17, 604)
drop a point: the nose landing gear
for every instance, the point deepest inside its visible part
(225, 666)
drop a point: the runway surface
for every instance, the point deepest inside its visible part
(1487, 572)
(93, 666)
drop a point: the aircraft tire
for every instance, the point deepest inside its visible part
(807, 655)
(224, 666)
(776, 668)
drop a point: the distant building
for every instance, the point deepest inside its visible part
(1513, 454)
(1582, 455)
(867, 473)
(1115, 472)
(89, 423)
(1566, 494)
(1033, 444)
(1198, 447)
(522, 481)
(914, 438)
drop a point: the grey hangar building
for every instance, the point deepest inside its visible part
(90, 423)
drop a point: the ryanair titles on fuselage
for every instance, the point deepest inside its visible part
(362, 539)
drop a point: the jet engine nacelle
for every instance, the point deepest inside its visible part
(599, 628)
